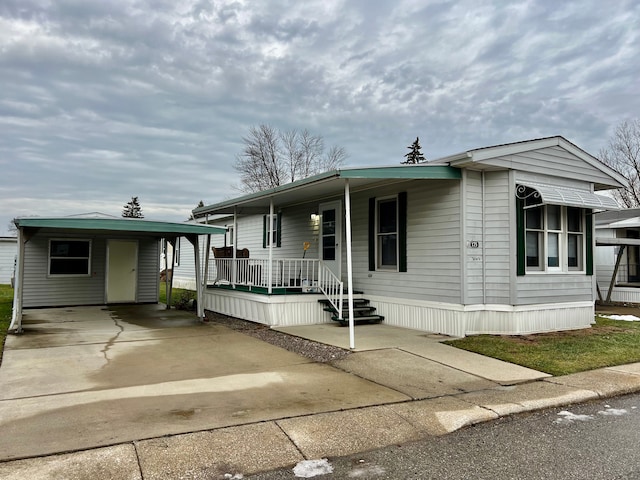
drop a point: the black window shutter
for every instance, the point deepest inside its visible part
(589, 241)
(402, 231)
(279, 230)
(520, 237)
(264, 231)
(372, 234)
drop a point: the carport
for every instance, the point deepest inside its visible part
(70, 252)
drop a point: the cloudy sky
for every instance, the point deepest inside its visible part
(103, 100)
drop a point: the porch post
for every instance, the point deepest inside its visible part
(169, 278)
(206, 262)
(270, 243)
(615, 273)
(196, 249)
(16, 317)
(347, 208)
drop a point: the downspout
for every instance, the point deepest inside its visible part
(16, 317)
(270, 243)
(347, 208)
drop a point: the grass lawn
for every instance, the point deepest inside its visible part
(6, 302)
(607, 343)
(179, 296)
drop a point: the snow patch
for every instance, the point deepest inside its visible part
(312, 468)
(237, 476)
(369, 471)
(568, 417)
(616, 412)
(626, 318)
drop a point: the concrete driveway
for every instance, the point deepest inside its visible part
(84, 377)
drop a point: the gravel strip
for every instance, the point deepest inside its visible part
(318, 352)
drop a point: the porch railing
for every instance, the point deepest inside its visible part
(254, 272)
(310, 275)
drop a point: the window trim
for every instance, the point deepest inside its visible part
(53, 257)
(401, 232)
(585, 247)
(277, 232)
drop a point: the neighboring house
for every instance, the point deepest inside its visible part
(92, 260)
(8, 252)
(618, 256)
(492, 240)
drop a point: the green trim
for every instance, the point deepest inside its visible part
(372, 234)
(402, 231)
(409, 172)
(520, 237)
(132, 225)
(589, 241)
(435, 172)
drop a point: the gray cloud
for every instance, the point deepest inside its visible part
(101, 101)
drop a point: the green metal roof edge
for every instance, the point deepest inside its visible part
(119, 224)
(416, 172)
(422, 171)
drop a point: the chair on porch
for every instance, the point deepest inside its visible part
(224, 268)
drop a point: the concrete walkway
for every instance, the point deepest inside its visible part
(147, 393)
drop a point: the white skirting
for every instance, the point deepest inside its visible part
(445, 318)
(623, 294)
(274, 310)
(461, 320)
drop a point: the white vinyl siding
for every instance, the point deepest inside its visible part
(43, 290)
(473, 233)
(551, 162)
(433, 243)
(8, 252)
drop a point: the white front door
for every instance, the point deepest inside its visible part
(122, 274)
(331, 236)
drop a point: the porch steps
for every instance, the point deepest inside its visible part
(362, 312)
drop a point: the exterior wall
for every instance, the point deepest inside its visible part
(41, 290)
(552, 162)
(433, 243)
(541, 288)
(8, 252)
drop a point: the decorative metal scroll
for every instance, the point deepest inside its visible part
(527, 193)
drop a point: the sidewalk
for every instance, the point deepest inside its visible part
(438, 389)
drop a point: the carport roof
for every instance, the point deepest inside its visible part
(129, 225)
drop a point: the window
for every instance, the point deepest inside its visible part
(554, 239)
(387, 234)
(228, 239)
(274, 234)
(69, 257)
(633, 259)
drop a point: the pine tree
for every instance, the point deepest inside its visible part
(132, 209)
(415, 155)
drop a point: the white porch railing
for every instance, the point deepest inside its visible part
(309, 274)
(253, 272)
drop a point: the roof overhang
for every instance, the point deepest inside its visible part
(616, 242)
(571, 197)
(328, 185)
(123, 225)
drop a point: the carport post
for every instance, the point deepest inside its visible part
(196, 249)
(169, 278)
(16, 317)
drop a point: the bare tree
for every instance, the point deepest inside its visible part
(271, 158)
(623, 155)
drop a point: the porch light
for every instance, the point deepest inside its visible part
(314, 216)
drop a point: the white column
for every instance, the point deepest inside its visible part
(16, 317)
(270, 243)
(347, 209)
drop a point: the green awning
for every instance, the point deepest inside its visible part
(130, 225)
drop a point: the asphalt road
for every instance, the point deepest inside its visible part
(598, 440)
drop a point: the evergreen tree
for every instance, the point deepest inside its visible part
(415, 155)
(132, 209)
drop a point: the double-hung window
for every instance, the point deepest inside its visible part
(554, 237)
(69, 257)
(387, 233)
(272, 235)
